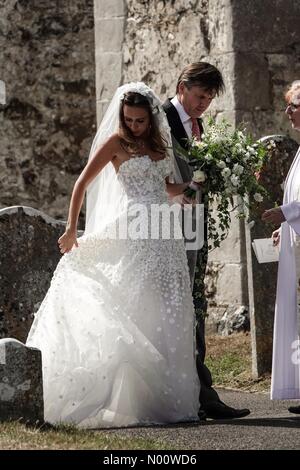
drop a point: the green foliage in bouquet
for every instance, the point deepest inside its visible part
(230, 160)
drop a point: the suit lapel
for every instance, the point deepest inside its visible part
(175, 123)
(200, 123)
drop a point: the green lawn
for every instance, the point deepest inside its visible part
(229, 360)
(14, 435)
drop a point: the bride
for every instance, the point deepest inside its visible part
(116, 328)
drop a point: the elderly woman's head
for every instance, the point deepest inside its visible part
(292, 97)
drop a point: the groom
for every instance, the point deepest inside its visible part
(197, 86)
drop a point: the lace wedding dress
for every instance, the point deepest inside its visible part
(116, 328)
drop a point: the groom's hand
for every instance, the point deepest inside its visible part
(273, 216)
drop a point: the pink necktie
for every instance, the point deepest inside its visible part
(195, 129)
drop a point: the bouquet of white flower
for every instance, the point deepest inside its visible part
(227, 162)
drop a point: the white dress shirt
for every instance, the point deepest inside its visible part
(185, 118)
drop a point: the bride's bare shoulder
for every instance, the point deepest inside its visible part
(114, 140)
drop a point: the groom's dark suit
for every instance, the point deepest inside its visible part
(197, 261)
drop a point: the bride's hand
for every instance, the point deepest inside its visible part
(67, 241)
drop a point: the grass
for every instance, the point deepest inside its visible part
(16, 436)
(229, 360)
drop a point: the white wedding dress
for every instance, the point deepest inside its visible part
(116, 328)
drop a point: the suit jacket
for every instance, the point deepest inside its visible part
(180, 136)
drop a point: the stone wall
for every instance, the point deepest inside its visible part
(109, 39)
(266, 42)
(47, 123)
(161, 37)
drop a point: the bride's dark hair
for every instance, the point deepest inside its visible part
(128, 141)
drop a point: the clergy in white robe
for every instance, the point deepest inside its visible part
(286, 342)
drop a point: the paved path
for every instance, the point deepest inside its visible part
(269, 426)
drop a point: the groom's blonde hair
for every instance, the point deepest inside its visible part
(202, 74)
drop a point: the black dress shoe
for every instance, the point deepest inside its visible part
(202, 415)
(218, 410)
(294, 409)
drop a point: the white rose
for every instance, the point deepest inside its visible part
(226, 172)
(200, 145)
(217, 139)
(234, 180)
(238, 169)
(228, 191)
(241, 135)
(221, 164)
(258, 197)
(199, 176)
(251, 150)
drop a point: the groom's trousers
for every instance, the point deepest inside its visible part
(197, 261)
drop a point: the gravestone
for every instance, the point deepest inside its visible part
(28, 256)
(21, 386)
(262, 278)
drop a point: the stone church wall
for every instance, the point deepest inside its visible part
(46, 126)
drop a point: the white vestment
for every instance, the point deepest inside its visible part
(286, 344)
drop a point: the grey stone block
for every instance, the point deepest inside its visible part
(109, 9)
(234, 321)
(268, 25)
(109, 34)
(21, 386)
(249, 68)
(108, 74)
(29, 254)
